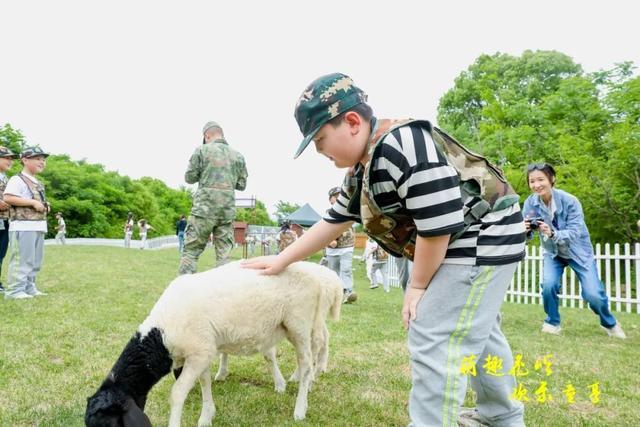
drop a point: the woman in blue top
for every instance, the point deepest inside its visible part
(558, 217)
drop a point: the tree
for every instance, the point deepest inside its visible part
(284, 209)
(11, 138)
(542, 107)
(255, 216)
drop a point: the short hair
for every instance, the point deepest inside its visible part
(214, 130)
(363, 109)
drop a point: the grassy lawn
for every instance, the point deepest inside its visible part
(56, 350)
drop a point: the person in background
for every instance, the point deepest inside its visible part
(379, 258)
(557, 217)
(339, 255)
(286, 236)
(219, 171)
(144, 228)
(61, 229)
(27, 225)
(181, 225)
(128, 230)
(6, 161)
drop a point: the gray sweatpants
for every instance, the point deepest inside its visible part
(26, 251)
(342, 265)
(458, 317)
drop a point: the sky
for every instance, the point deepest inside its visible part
(129, 84)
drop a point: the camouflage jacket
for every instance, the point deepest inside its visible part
(219, 170)
(346, 239)
(27, 213)
(482, 183)
(3, 184)
(287, 237)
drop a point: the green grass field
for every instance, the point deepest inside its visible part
(56, 350)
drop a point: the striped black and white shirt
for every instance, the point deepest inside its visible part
(410, 175)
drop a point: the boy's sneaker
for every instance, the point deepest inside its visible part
(349, 297)
(373, 286)
(548, 328)
(39, 294)
(615, 331)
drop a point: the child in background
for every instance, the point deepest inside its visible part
(6, 161)
(27, 225)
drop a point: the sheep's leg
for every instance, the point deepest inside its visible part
(278, 379)
(321, 351)
(192, 369)
(208, 407)
(295, 377)
(223, 371)
(302, 343)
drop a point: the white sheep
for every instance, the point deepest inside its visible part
(230, 310)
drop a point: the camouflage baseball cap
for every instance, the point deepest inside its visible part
(5, 152)
(325, 98)
(32, 152)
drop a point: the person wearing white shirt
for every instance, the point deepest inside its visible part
(27, 225)
(62, 229)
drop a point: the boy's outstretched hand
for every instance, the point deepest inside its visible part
(267, 264)
(411, 298)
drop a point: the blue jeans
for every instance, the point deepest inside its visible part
(180, 241)
(592, 289)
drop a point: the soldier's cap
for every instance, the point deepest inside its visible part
(334, 191)
(208, 126)
(5, 152)
(325, 98)
(32, 152)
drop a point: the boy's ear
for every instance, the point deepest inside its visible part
(353, 119)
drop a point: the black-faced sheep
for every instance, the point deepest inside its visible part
(228, 310)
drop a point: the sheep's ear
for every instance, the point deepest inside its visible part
(133, 416)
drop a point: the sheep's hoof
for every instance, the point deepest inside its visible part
(299, 417)
(280, 388)
(221, 376)
(202, 423)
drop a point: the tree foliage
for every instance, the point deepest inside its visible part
(257, 215)
(541, 106)
(284, 209)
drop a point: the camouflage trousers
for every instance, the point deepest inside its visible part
(196, 237)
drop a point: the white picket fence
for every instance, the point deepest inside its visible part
(155, 243)
(619, 271)
(618, 268)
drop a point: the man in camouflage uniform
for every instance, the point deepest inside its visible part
(219, 170)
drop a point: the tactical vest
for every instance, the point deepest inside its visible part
(380, 254)
(286, 238)
(482, 185)
(5, 213)
(27, 213)
(346, 239)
